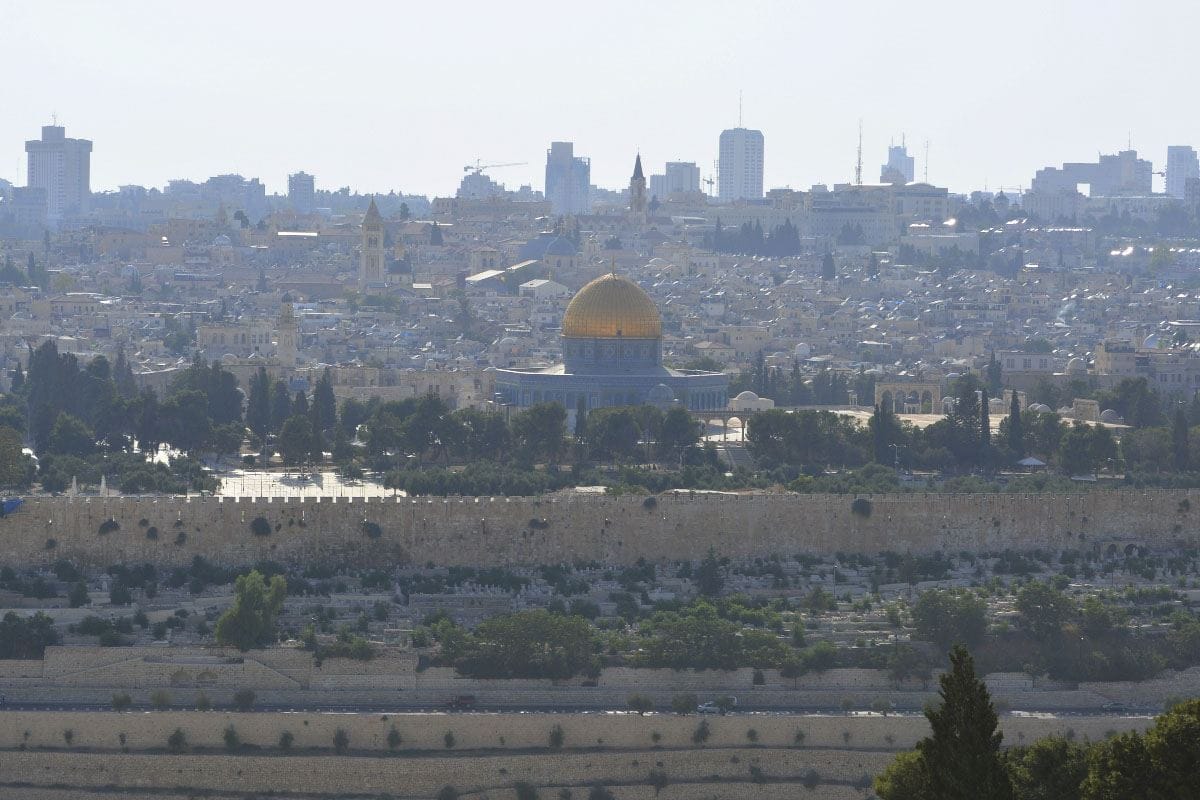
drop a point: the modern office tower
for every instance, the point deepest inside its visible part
(900, 166)
(741, 164)
(568, 179)
(62, 167)
(679, 177)
(1182, 166)
(302, 191)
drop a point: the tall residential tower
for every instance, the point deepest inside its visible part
(568, 179)
(741, 166)
(62, 167)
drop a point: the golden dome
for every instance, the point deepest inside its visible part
(611, 307)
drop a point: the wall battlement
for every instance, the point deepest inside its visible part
(168, 530)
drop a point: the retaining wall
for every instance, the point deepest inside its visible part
(483, 531)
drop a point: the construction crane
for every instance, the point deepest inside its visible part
(478, 167)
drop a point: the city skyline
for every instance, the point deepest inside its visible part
(379, 111)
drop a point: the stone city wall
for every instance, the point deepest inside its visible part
(567, 527)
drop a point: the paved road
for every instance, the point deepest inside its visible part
(375, 708)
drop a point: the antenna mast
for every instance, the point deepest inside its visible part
(926, 161)
(739, 108)
(858, 164)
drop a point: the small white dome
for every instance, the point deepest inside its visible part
(746, 396)
(1110, 416)
(1150, 342)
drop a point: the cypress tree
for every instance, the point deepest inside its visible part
(258, 406)
(985, 426)
(828, 268)
(1016, 434)
(1179, 438)
(962, 756)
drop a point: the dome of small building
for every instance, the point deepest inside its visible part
(802, 350)
(1040, 408)
(1111, 417)
(610, 307)
(1150, 342)
(746, 396)
(1076, 366)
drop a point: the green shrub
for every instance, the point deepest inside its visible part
(557, 737)
(449, 740)
(393, 738)
(285, 741)
(861, 507)
(702, 732)
(260, 526)
(243, 699)
(341, 741)
(177, 741)
(160, 699)
(232, 742)
(121, 701)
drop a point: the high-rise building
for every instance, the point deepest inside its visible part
(900, 166)
(1123, 174)
(63, 167)
(741, 164)
(1182, 165)
(302, 191)
(568, 179)
(679, 177)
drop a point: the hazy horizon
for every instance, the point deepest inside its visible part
(380, 97)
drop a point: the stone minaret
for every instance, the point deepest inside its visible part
(287, 349)
(370, 265)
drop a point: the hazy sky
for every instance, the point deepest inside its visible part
(401, 95)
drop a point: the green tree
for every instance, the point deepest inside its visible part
(1016, 431)
(78, 595)
(541, 431)
(962, 754)
(250, 621)
(1118, 769)
(709, 578)
(296, 440)
(1044, 610)
(325, 402)
(679, 431)
(15, 466)
(641, 703)
(612, 433)
(527, 644)
(950, 616)
(71, 436)
(906, 778)
(1179, 439)
(258, 404)
(828, 268)
(281, 405)
(1049, 769)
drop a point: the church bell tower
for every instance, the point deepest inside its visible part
(371, 258)
(637, 188)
